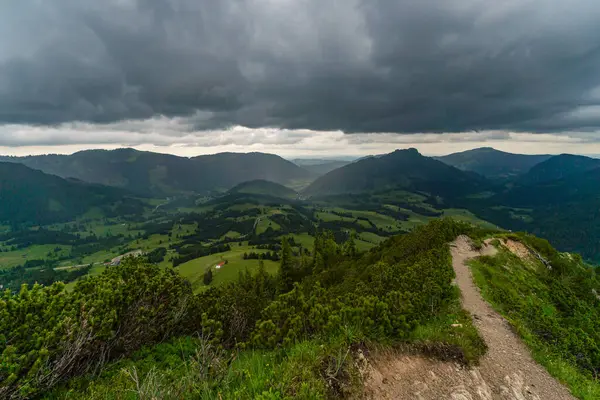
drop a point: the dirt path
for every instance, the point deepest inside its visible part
(507, 371)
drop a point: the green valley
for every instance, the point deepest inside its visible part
(257, 290)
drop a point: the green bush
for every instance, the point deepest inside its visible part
(287, 336)
(48, 335)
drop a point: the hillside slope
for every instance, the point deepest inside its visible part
(157, 174)
(319, 167)
(406, 169)
(493, 163)
(30, 196)
(564, 211)
(559, 167)
(264, 187)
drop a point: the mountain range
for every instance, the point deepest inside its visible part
(154, 174)
(493, 163)
(556, 197)
(405, 169)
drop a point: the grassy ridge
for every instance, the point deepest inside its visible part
(554, 310)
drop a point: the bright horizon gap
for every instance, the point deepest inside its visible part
(174, 136)
(528, 149)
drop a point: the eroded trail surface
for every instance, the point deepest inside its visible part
(507, 371)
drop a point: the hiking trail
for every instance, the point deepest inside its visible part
(506, 371)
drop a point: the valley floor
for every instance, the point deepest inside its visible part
(507, 371)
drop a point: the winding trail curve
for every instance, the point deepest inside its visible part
(507, 371)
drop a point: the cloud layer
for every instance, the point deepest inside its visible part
(172, 135)
(351, 66)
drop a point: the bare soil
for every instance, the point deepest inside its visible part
(507, 371)
(517, 248)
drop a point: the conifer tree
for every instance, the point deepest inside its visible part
(350, 246)
(286, 269)
(208, 276)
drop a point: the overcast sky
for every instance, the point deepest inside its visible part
(300, 77)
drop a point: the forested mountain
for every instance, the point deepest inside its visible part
(493, 163)
(559, 167)
(149, 173)
(565, 211)
(30, 196)
(319, 167)
(406, 169)
(263, 187)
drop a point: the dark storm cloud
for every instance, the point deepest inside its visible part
(356, 66)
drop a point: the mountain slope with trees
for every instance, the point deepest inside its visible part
(558, 167)
(406, 169)
(28, 196)
(155, 174)
(265, 188)
(319, 167)
(564, 211)
(493, 163)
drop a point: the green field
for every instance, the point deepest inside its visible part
(467, 216)
(264, 223)
(9, 259)
(304, 239)
(383, 222)
(370, 237)
(194, 270)
(328, 216)
(362, 245)
(231, 235)
(242, 207)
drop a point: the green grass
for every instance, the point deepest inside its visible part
(382, 222)
(467, 216)
(395, 195)
(242, 207)
(177, 370)
(445, 341)
(531, 298)
(371, 237)
(362, 245)
(9, 259)
(327, 216)
(264, 223)
(194, 270)
(151, 243)
(231, 235)
(414, 220)
(100, 256)
(306, 240)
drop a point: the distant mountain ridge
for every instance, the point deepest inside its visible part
(493, 163)
(406, 169)
(155, 174)
(319, 167)
(559, 167)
